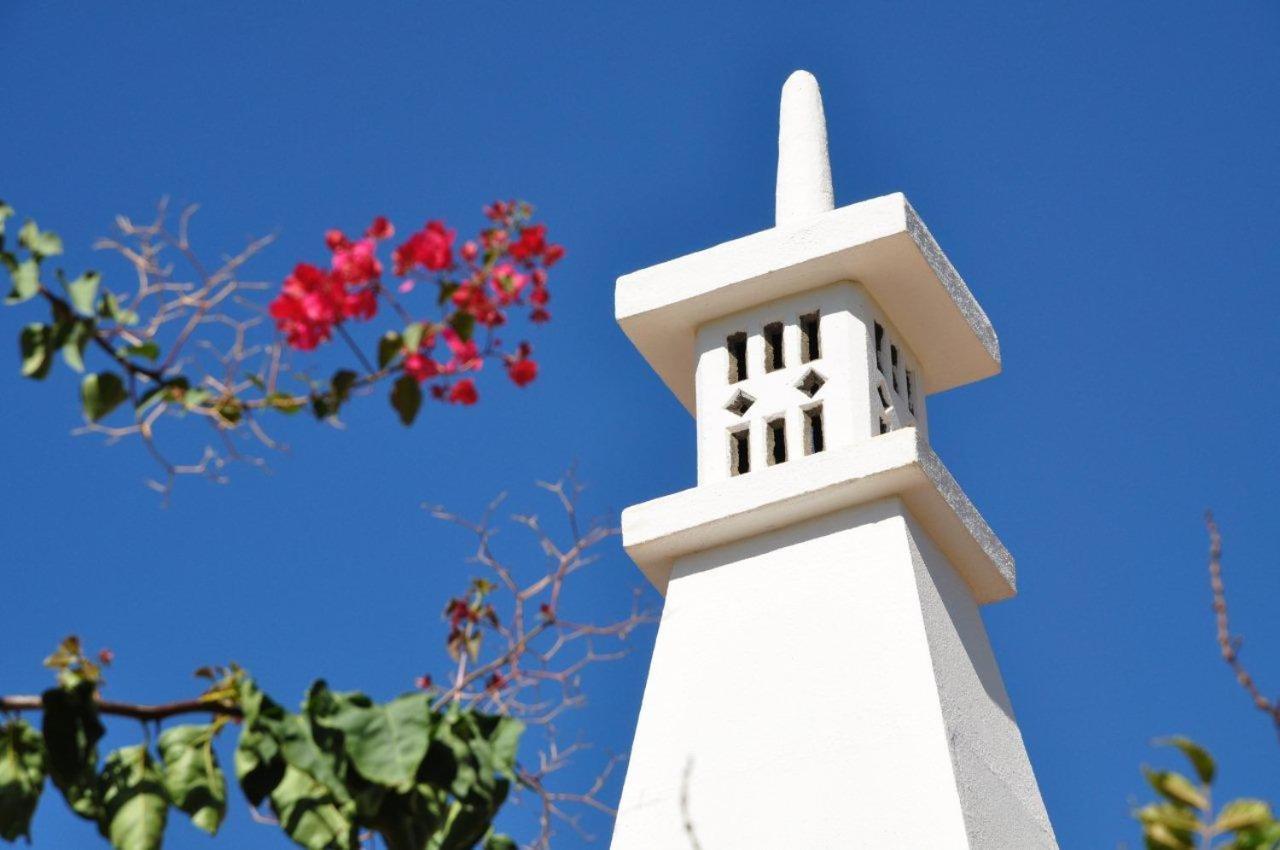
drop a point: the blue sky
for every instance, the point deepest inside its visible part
(1105, 176)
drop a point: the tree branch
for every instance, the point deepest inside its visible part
(31, 702)
(1230, 644)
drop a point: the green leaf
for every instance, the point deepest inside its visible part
(1176, 788)
(6, 212)
(25, 277)
(413, 334)
(389, 347)
(1199, 757)
(500, 842)
(1174, 817)
(134, 805)
(285, 403)
(84, 291)
(1160, 837)
(386, 742)
(310, 815)
(71, 733)
(192, 777)
(149, 349)
(109, 308)
(342, 382)
(22, 770)
(464, 323)
(446, 292)
(74, 336)
(41, 243)
(1265, 837)
(33, 341)
(1243, 814)
(101, 393)
(406, 398)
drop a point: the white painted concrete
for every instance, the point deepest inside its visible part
(821, 677)
(849, 397)
(880, 243)
(804, 168)
(832, 686)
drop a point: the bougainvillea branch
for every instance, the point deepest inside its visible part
(1228, 643)
(193, 342)
(429, 770)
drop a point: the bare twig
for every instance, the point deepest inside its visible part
(1228, 643)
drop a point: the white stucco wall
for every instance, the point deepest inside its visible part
(797, 700)
(851, 406)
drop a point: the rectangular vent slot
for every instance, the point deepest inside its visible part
(911, 393)
(879, 347)
(810, 346)
(893, 366)
(739, 451)
(737, 344)
(814, 439)
(777, 432)
(773, 346)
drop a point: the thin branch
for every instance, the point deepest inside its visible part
(1230, 644)
(137, 711)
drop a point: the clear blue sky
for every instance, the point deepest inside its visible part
(1106, 177)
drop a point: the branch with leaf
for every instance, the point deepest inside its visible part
(193, 341)
(429, 770)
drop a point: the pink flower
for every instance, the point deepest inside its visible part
(423, 683)
(522, 371)
(464, 392)
(465, 354)
(532, 242)
(420, 368)
(431, 248)
(357, 262)
(381, 228)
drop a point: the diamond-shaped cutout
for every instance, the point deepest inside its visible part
(740, 403)
(811, 383)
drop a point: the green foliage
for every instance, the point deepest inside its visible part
(101, 393)
(134, 803)
(71, 734)
(423, 779)
(406, 398)
(22, 770)
(193, 779)
(1183, 819)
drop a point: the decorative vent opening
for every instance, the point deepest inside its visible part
(814, 439)
(740, 403)
(893, 366)
(776, 430)
(737, 345)
(911, 392)
(879, 347)
(740, 451)
(810, 346)
(811, 383)
(773, 347)
(884, 399)
(884, 425)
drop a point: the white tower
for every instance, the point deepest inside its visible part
(821, 677)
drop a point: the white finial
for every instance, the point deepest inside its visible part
(804, 169)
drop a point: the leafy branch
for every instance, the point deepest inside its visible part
(192, 342)
(429, 770)
(1185, 817)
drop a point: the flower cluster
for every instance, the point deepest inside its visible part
(475, 285)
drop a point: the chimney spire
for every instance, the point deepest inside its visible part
(804, 169)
